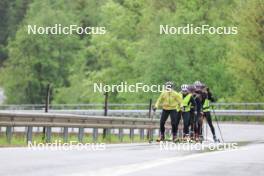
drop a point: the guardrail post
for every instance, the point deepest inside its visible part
(141, 134)
(44, 131)
(150, 134)
(80, 134)
(120, 134)
(65, 134)
(46, 111)
(131, 134)
(105, 112)
(95, 134)
(9, 134)
(29, 134)
(47, 98)
(48, 134)
(150, 117)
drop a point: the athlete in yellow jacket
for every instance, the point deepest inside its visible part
(188, 102)
(171, 103)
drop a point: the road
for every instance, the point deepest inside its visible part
(2, 96)
(143, 159)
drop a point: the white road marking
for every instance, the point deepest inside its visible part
(130, 168)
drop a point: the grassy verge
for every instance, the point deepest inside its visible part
(19, 139)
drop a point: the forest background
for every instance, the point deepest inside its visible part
(132, 50)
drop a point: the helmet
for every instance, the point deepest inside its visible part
(198, 85)
(191, 88)
(184, 88)
(169, 85)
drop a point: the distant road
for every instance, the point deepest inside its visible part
(2, 97)
(142, 159)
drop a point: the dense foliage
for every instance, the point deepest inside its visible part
(132, 50)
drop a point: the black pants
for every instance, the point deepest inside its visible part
(164, 116)
(200, 125)
(186, 122)
(208, 117)
(209, 121)
(192, 121)
(197, 124)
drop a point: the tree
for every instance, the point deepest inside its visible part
(246, 56)
(37, 60)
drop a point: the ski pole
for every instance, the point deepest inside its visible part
(150, 115)
(218, 124)
(153, 130)
(206, 128)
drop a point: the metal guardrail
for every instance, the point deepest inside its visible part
(238, 113)
(48, 120)
(70, 120)
(145, 113)
(67, 120)
(245, 106)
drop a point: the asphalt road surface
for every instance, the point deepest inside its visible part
(143, 159)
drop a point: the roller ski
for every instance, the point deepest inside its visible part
(201, 139)
(216, 140)
(185, 139)
(160, 139)
(175, 139)
(163, 139)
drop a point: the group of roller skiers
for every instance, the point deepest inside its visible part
(192, 104)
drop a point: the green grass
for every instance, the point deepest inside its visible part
(19, 139)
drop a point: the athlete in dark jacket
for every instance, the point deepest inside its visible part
(205, 98)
